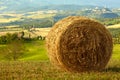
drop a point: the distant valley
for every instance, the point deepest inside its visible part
(41, 14)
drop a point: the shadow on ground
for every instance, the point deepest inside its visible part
(112, 69)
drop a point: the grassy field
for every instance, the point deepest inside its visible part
(116, 52)
(38, 31)
(114, 26)
(35, 51)
(43, 70)
(37, 16)
(35, 65)
(17, 17)
(14, 17)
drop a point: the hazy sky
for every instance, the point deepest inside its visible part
(108, 3)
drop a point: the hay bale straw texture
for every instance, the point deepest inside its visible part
(79, 44)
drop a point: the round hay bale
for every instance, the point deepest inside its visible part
(79, 44)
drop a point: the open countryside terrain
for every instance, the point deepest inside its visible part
(34, 64)
(34, 32)
(35, 18)
(11, 17)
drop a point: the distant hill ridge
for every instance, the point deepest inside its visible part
(33, 5)
(86, 9)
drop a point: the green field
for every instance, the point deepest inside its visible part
(35, 65)
(116, 52)
(35, 51)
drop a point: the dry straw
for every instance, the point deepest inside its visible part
(79, 44)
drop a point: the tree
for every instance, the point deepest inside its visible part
(5, 39)
(22, 34)
(13, 50)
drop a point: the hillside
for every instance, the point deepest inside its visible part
(109, 15)
(42, 14)
(45, 13)
(22, 7)
(114, 26)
